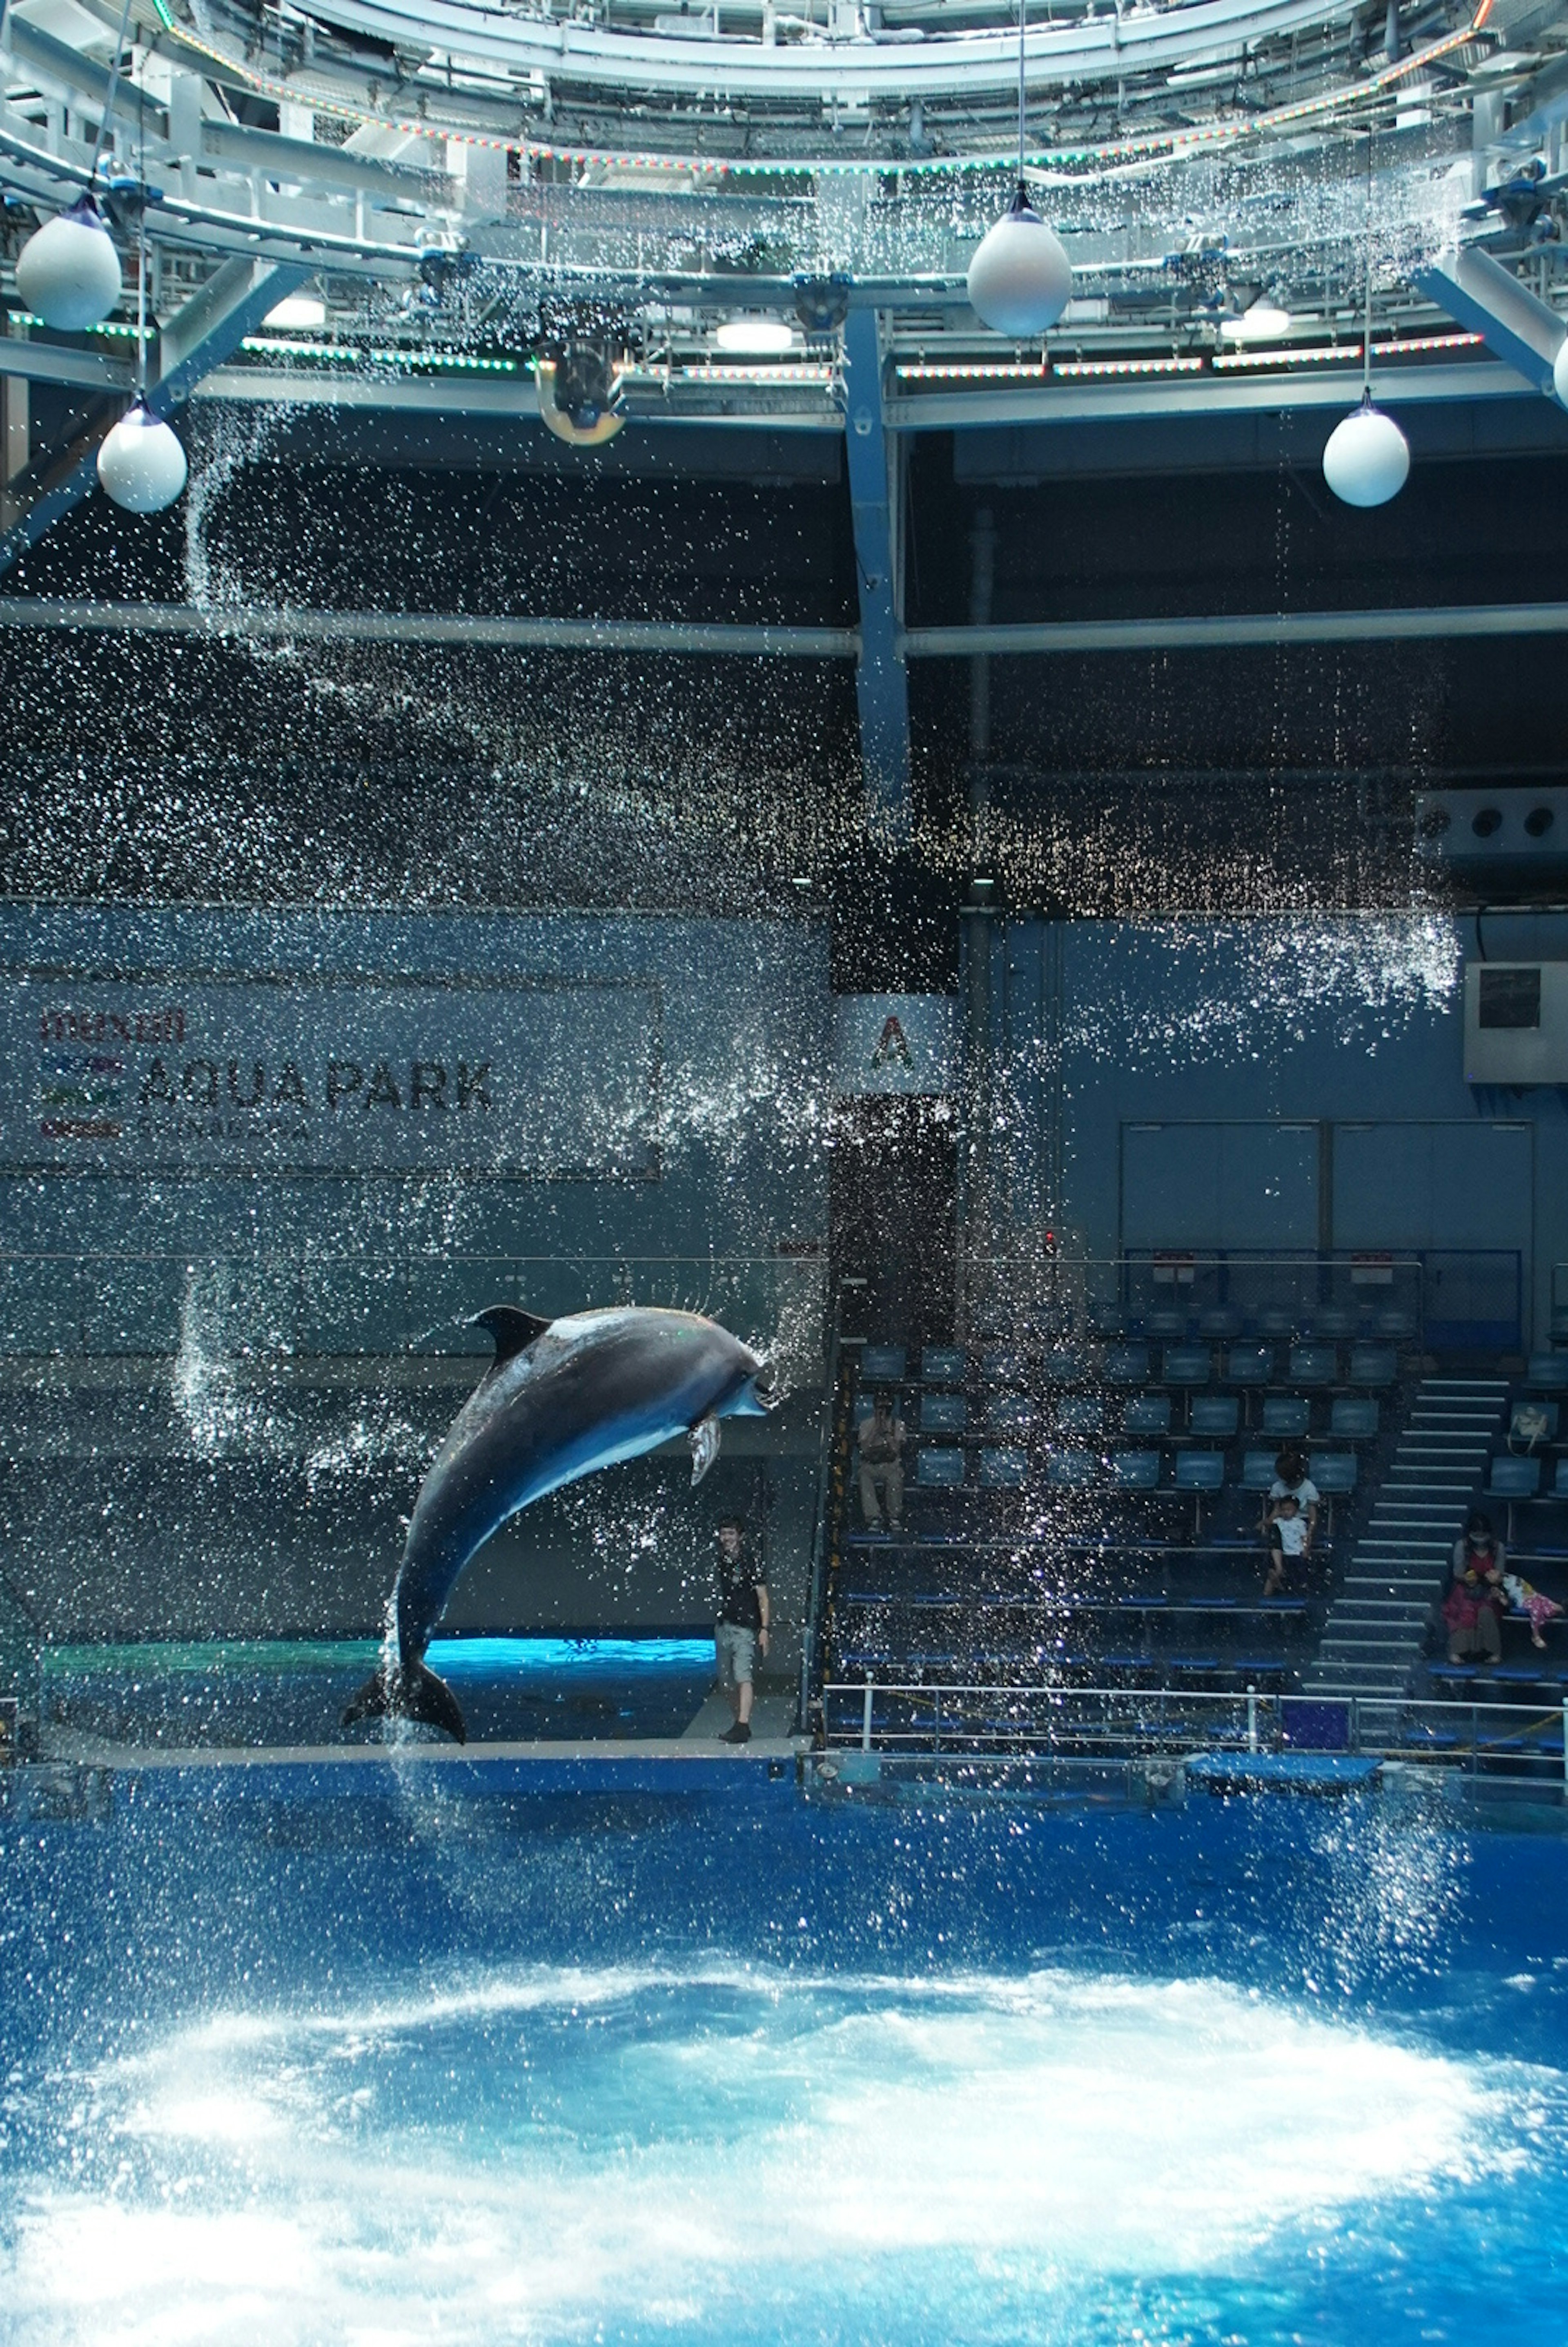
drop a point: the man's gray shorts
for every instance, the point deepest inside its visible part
(735, 1650)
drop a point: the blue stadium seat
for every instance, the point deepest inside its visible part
(1394, 1321)
(1164, 1320)
(1257, 1470)
(1063, 1364)
(1072, 1467)
(1314, 1365)
(1147, 1414)
(1003, 1468)
(1353, 1418)
(1125, 1365)
(1008, 1413)
(1214, 1414)
(1200, 1470)
(1373, 1365)
(1005, 1365)
(943, 1413)
(1248, 1365)
(1531, 1422)
(938, 1469)
(1187, 1365)
(1080, 1414)
(1513, 1478)
(1560, 1480)
(1221, 1323)
(1136, 1470)
(942, 1365)
(1333, 1472)
(881, 1364)
(1276, 1320)
(1332, 1323)
(1285, 1414)
(1547, 1373)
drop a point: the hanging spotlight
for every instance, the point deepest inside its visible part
(1262, 320)
(68, 272)
(1559, 371)
(755, 337)
(1020, 280)
(1367, 458)
(141, 463)
(579, 394)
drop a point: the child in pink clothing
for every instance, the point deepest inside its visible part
(1526, 1600)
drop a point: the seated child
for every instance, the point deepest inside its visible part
(1287, 1537)
(1527, 1600)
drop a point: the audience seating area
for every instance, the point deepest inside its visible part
(1087, 1515)
(1525, 1493)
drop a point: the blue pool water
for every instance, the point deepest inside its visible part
(255, 1691)
(733, 2063)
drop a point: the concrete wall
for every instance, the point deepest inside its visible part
(1285, 1082)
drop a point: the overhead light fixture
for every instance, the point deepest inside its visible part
(1367, 458)
(303, 313)
(1020, 280)
(755, 338)
(1262, 321)
(141, 464)
(68, 271)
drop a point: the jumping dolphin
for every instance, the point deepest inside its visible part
(561, 1398)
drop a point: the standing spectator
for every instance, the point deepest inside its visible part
(741, 1630)
(1291, 1481)
(879, 1440)
(1476, 1595)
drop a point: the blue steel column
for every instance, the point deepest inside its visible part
(881, 680)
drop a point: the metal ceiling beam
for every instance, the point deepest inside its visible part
(1484, 298)
(876, 480)
(1223, 630)
(1240, 393)
(1227, 630)
(207, 330)
(260, 624)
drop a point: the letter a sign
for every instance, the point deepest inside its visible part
(893, 1044)
(892, 1047)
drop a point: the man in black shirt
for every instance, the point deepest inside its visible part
(742, 1626)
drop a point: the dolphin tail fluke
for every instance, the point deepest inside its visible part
(411, 1692)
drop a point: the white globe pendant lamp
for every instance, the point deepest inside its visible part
(141, 464)
(1020, 280)
(1559, 371)
(1367, 458)
(68, 272)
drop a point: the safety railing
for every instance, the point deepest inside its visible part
(919, 1716)
(832, 1490)
(308, 1303)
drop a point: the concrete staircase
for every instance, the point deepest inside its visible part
(1377, 1626)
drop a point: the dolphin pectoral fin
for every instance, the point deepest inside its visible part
(412, 1693)
(704, 1441)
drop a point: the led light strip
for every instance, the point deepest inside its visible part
(1071, 369)
(288, 346)
(1302, 355)
(1397, 349)
(1152, 146)
(920, 371)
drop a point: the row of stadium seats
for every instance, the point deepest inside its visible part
(1184, 1365)
(1008, 1467)
(1329, 1323)
(1215, 1417)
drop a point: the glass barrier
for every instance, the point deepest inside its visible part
(171, 1305)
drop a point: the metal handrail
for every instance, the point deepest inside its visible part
(832, 1417)
(1264, 1714)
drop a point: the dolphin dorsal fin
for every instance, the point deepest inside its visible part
(514, 1331)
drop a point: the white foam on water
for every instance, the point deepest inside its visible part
(555, 2155)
